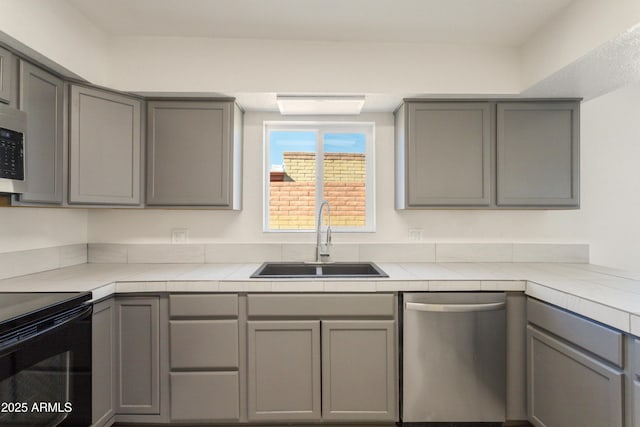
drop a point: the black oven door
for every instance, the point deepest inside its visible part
(45, 375)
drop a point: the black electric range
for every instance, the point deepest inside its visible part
(45, 359)
(21, 308)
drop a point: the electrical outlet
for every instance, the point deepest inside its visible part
(180, 235)
(415, 234)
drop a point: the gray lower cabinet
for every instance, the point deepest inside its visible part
(568, 387)
(322, 357)
(194, 153)
(633, 381)
(103, 371)
(204, 358)
(6, 68)
(358, 370)
(139, 355)
(575, 374)
(284, 370)
(42, 97)
(104, 147)
(447, 154)
(538, 161)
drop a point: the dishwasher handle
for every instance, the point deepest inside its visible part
(455, 308)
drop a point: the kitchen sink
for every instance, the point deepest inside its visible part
(289, 270)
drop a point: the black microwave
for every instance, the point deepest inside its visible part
(13, 130)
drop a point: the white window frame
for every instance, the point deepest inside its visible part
(321, 128)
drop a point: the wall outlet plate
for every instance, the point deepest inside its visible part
(415, 234)
(180, 235)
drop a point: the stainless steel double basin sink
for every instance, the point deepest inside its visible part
(294, 270)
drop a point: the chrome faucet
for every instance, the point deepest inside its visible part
(323, 251)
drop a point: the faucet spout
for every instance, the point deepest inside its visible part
(323, 251)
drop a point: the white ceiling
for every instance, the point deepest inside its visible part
(495, 22)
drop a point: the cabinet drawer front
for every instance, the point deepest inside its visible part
(205, 396)
(318, 305)
(204, 344)
(569, 388)
(600, 340)
(203, 306)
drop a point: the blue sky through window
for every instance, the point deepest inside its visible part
(301, 141)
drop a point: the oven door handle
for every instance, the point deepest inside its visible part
(30, 333)
(454, 308)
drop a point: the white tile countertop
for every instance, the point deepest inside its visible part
(604, 294)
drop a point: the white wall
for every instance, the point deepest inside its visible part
(584, 25)
(610, 147)
(154, 226)
(193, 64)
(34, 228)
(55, 33)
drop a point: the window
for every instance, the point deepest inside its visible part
(306, 163)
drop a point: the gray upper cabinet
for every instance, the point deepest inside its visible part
(193, 154)
(105, 150)
(487, 154)
(447, 154)
(6, 68)
(538, 154)
(42, 97)
(358, 370)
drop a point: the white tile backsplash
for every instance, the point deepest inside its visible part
(298, 252)
(474, 252)
(340, 252)
(398, 252)
(107, 253)
(166, 253)
(31, 261)
(73, 254)
(550, 252)
(242, 252)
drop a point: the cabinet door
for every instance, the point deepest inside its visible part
(189, 159)
(137, 321)
(104, 163)
(284, 370)
(6, 61)
(538, 154)
(205, 396)
(358, 371)
(568, 387)
(41, 96)
(103, 373)
(448, 154)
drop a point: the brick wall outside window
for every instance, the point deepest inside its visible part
(292, 196)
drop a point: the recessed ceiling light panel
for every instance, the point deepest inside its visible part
(312, 105)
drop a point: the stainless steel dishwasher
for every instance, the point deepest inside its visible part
(453, 360)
